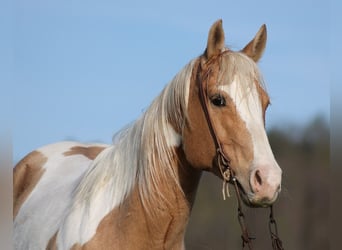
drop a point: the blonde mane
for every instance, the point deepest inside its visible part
(140, 158)
(140, 153)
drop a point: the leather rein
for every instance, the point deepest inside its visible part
(223, 163)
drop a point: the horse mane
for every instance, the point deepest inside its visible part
(141, 159)
(140, 155)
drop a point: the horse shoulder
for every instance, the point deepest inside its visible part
(130, 226)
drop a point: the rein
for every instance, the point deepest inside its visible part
(228, 175)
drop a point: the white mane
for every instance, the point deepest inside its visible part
(141, 157)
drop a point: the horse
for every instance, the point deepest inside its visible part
(138, 192)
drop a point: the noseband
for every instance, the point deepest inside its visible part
(223, 163)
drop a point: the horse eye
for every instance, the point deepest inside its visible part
(218, 100)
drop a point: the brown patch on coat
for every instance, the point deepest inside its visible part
(26, 175)
(52, 242)
(90, 152)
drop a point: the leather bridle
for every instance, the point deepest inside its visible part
(223, 163)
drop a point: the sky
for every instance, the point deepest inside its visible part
(81, 70)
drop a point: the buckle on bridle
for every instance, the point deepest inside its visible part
(223, 165)
(225, 185)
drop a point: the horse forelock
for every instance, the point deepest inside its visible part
(236, 64)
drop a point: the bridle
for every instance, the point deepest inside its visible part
(223, 163)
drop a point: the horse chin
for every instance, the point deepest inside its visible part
(249, 200)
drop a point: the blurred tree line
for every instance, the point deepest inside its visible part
(301, 210)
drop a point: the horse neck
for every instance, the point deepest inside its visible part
(137, 223)
(189, 178)
(159, 206)
(176, 196)
(163, 222)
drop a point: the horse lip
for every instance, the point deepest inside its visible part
(245, 198)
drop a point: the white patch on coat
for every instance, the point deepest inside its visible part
(41, 214)
(93, 201)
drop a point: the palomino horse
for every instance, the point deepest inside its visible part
(138, 192)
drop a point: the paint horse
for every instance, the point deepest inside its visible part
(138, 192)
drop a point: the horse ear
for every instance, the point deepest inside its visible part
(215, 43)
(255, 48)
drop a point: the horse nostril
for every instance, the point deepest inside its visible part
(258, 178)
(256, 181)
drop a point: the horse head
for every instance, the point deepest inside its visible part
(236, 102)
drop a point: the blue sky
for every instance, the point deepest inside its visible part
(83, 69)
